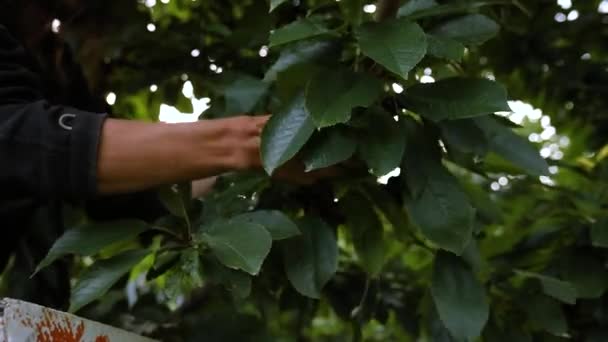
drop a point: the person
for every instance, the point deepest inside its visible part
(58, 144)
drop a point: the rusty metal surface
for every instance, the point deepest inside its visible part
(26, 322)
(2, 331)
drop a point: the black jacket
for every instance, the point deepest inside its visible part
(49, 138)
(48, 154)
(47, 150)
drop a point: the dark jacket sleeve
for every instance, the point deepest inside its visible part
(46, 150)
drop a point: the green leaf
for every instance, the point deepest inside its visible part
(191, 267)
(276, 3)
(472, 256)
(545, 313)
(185, 276)
(238, 283)
(285, 134)
(597, 335)
(311, 259)
(599, 233)
(512, 147)
(486, 207)
(172, 95)
(398, 45)
(442, 210)
(382, 143)
(183, 104)
(162, 264)
(465, 136)
(233, 194)
(388, 206)
(586, 273)
(290, 82)
(278, 224)
(452, 9)
(456, 98)
(446, 48)
(435, 201)
(505, 333)
(238, 244)
(177, 198)
(413, 6)
(91, 238)
(303, 52)
(474, 29)
(459, 297)
(558, 289)
(97, 280)
(437, 332)
(243, 94)
(332, 95)
(421, 149)
(366, 231)
(329, 147)
(145, 266)
(298, 30)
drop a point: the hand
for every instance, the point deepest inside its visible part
(242, 136)
(293, 171)
(134, 156)
(233, 144)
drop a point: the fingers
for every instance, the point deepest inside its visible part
(261, 122)
(255, 140)
(246, 133)
(254, 154)
(254, 124)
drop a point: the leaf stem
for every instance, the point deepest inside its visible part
(357, 333)
(368, 282)
(358, 313)
(188, 225)
(457, 67)
(449, 9)
(522, 8)
(420, 242)
(166, 230)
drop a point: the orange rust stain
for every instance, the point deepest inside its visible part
(27, 322)
(51, 329)
(102, 338)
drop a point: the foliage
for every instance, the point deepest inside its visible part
(434, 254)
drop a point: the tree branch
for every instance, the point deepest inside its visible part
(387, 9)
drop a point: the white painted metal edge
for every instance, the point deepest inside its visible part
(26, 322)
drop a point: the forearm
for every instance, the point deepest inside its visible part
(136, 155)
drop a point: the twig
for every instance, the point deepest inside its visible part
(358, 316)
(387, 9)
